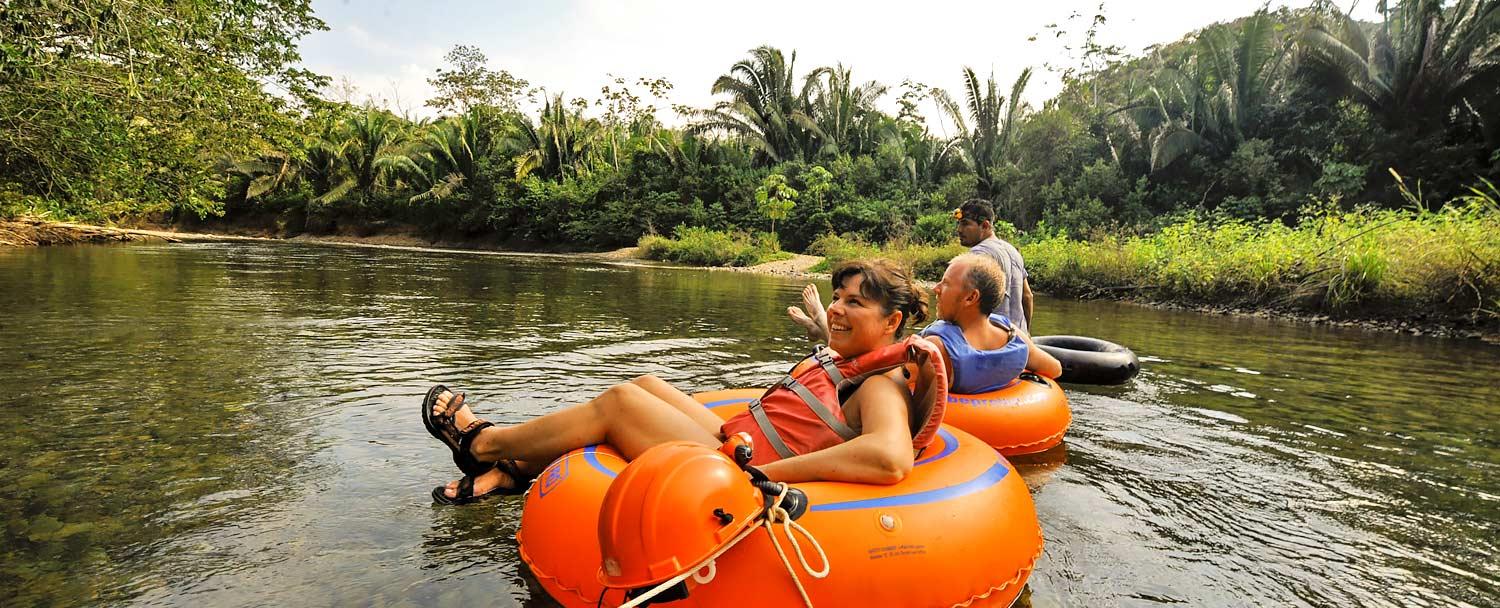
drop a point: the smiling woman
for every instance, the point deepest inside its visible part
(851, 419)
(960, 530)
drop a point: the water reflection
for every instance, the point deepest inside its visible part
(219, 424)
(1038, 469)
(1261, 459)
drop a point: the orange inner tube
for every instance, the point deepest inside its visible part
(1028, 416)
(960, 530)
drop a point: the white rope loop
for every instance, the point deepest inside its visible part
(787, 526)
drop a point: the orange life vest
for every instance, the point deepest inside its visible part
(802, 413)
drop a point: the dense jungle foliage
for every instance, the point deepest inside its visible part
(174, 109)
(110, 108)
(110, 111)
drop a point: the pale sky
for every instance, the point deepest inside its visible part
(388, 48)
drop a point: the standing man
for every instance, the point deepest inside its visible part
(976, 230)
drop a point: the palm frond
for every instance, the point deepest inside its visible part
(1171, 143)
(338, 192)
(1013, 114)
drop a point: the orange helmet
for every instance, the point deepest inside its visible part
(669, 510)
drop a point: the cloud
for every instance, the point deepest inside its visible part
(387, 71)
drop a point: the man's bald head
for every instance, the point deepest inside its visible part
(982, 274)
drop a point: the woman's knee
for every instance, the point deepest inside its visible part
(648, 381)
(625, 395)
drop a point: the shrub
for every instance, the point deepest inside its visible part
(1405, 262)
(704, 247)
(925, 262)
(14, 204)
(1341, 180)
(836, 249)
(937, 229)
(956, 189)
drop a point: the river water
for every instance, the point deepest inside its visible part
(235, 424)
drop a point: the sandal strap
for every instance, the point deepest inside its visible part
(455, 404)
(519, 482)
(464, 457)
(465, 488)
(467, 436)
(475, 426)
(513, 470)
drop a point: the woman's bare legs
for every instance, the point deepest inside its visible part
(493, 478)
(627, 416)
(684, 403)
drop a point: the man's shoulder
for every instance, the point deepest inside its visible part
(938, 328)
(998, 248)
(990, 246)
(1004, 244)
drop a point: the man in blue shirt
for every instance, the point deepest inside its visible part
(976, 230)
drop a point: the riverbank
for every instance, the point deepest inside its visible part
(34, 233)
(41, 233)
(38, 233)
(1418, 273)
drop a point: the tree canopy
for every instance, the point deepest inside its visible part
(470, 83)
(104, 104)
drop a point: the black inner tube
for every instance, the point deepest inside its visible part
(1088, 360)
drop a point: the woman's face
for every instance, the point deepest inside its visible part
(856, 324)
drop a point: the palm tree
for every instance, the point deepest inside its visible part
(845, 114)
(562, 143)
(1187, 111)
(683, 150)
(316, 163)
(1215, 98)
(354, 152)
(765, 107)
(1423, 65)
(987, 144)
(451, 150)
(922, 158)
(1127, 130)
(321, 164)
(374, 150)
(260, 174)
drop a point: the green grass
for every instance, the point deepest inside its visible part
(1413, 263)
(925, 261)
(1439, 265)
(1442, 264)
(704, 247)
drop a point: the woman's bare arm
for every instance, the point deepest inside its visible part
(881, 454)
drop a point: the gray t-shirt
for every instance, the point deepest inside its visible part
(1010, 261)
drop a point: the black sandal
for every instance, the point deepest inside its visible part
(519, 485)
(522, 482)
(444, 429)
